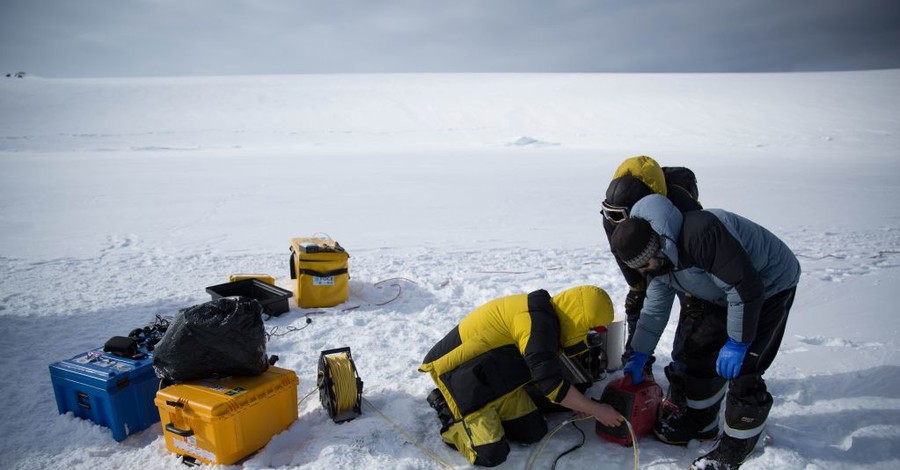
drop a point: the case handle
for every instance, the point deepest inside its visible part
(291, 264)
(336, 272)
(180, 432)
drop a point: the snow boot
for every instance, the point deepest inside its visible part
(679, 425)
(728, 455)
(746, 411)
(693, 414)
(675, 396)
(747, 406)
(437, 401)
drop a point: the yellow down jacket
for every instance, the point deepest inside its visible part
(508, 342)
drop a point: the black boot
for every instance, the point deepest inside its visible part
(746, 411)
(728, 455)
(675, 396)
(437, 401)
(678, 422)
(678, 426)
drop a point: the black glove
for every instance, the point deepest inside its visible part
(634, 302)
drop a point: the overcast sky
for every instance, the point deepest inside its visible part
(104, 38)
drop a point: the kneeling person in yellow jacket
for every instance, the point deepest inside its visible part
(481, 366)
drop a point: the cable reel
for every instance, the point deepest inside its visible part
(340, 388)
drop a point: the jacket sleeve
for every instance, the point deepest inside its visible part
(715, 250)
(654, 316)
(542, 347)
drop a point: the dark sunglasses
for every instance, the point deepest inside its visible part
(614, 214)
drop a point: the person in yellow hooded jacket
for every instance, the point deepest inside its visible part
(482, 365)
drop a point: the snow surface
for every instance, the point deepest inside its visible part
(121, 199)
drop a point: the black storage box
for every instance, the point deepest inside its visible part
(274, 300)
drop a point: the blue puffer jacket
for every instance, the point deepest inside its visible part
(718, 256)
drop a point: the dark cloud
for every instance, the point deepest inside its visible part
(62, 38)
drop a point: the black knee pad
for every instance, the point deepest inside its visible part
(526, 429)
(491, 455)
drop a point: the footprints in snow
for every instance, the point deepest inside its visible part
(835, 257)
(835, 342)
(116, 243)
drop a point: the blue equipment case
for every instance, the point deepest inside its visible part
(112, 391)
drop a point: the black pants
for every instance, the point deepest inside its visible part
(748, 402)
(769, 332)
(688, 304)
(704, 333)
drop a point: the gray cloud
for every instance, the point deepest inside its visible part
(60, 38)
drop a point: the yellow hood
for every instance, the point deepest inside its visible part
(645, 169)
(580, 309)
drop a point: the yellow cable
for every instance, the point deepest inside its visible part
(346, 393)
(306, 396)
(633, 443)
(345, 387)
(409, 438)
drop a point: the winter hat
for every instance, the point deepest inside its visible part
(626, 190)
(635, 242)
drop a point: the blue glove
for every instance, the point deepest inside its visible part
(635, 367)
(731, 356)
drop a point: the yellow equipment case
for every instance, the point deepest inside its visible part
(221, 421)
(262, 277)
(320, 267)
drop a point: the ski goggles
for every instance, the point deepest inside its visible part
(614, 214)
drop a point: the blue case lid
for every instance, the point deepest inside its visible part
(103, 370)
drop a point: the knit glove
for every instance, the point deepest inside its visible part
(731, 356)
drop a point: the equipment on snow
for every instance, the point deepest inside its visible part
(340, 388)
(262, 277)
(221, 421)
(637, 403)
(111, 390)
(221, 337)
(319, 266)
(273, 299)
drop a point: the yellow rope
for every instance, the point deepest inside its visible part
(633, 443)
(306, 396)
(409, 438)
(346, 393)
(345, 387)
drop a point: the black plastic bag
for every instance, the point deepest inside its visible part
(219, 338)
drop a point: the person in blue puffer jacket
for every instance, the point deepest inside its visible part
(748, 276)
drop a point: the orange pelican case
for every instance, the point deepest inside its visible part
(221, 421)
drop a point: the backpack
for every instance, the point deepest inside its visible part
(683, 177)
